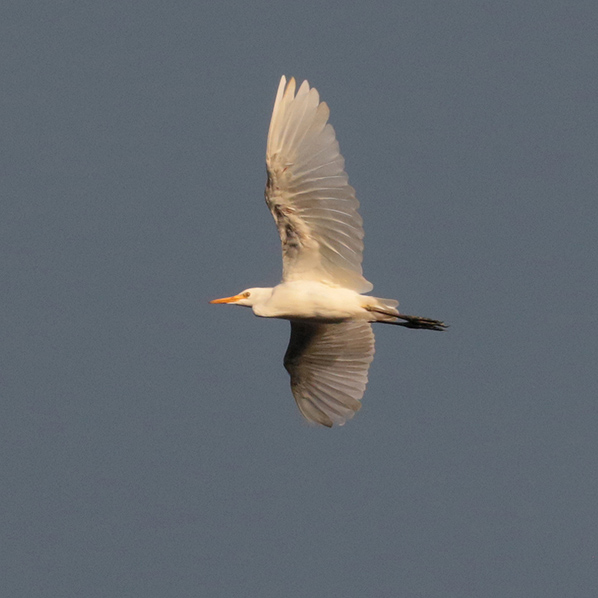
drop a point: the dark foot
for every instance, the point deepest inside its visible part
(417, 322)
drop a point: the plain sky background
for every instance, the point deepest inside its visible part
(151, 446)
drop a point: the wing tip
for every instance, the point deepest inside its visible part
(315, 416)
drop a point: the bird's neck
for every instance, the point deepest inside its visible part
(262, 302)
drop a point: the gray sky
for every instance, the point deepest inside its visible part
(151, 446)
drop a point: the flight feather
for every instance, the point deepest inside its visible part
(328, 365)
(308, 193)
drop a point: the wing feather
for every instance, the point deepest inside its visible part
(328, 365)
(309, 195)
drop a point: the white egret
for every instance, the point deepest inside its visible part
(315, 210)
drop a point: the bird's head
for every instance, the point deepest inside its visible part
(247, 298)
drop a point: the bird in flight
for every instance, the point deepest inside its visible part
(321, 292)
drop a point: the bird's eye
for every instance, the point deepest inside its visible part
(246, 294)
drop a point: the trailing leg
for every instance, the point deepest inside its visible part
(390, 316)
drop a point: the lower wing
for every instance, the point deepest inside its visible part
(328, 365)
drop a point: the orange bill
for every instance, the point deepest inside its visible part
(227, 299)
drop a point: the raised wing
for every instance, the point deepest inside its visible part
(309, 195)
(328, 364)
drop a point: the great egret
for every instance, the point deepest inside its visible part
(315, 210)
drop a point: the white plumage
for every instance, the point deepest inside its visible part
(309, 195)
(315, 210)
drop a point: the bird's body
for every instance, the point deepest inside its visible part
(313, 301)
(321, 293)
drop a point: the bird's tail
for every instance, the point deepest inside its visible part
(384, 310)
